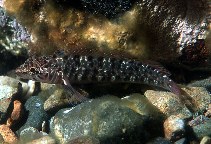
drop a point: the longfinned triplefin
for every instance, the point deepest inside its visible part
(66, 69)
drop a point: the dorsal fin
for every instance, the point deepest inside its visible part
(158, 66)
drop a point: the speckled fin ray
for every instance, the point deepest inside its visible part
(72, 91)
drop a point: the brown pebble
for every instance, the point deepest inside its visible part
(16, 113)
(174, 128)
(9, 122)
(7, 134)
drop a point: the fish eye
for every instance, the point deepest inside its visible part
(33, 70)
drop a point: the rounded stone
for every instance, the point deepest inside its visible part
(31, 135)
(37, 113)
(206, 140)
(55, 97)
(104, 118)
(84, 140)
(159, 140)
(174, 128)
(168, 103)
(202, 129)
(7, 134)
(10, 89)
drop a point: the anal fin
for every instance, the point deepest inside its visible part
(72, 92)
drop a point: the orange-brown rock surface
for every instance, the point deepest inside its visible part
(7, 134)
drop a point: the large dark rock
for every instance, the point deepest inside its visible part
(104, 118)
(35, 106)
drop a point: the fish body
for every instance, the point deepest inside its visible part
(66, 69)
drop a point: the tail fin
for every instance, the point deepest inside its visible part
(174, 88)
(185, 98)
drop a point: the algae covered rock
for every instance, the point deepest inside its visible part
(147, 29)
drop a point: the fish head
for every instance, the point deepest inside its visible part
(43, 69)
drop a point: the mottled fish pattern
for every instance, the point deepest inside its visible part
(66, 69)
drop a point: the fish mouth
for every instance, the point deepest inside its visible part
(21, 73)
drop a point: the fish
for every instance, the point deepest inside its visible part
(65, 69)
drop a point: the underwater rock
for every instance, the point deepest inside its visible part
(16, 113)
(197, 120)
(147, 29)
(17, 33)
(200, 95)
(21, 87)
(195, 54)
(174, 128)
(43, 140)
(205, 140)
(6, 95)
(37, 114)
(104, 118)
(14, 32)
(7, 134)
(84, 140)
(171, 104)
(5, 80)
(181, 141)
(208, 111)
(167, 103)
(159, 140)
(13, 43)
(9, 89)
(28, 134)
(1, 3)
(55, 96)
(31, 135)
(206, 83)
(1, 139)
(109, 9)
(202, 129)
(140, 104)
